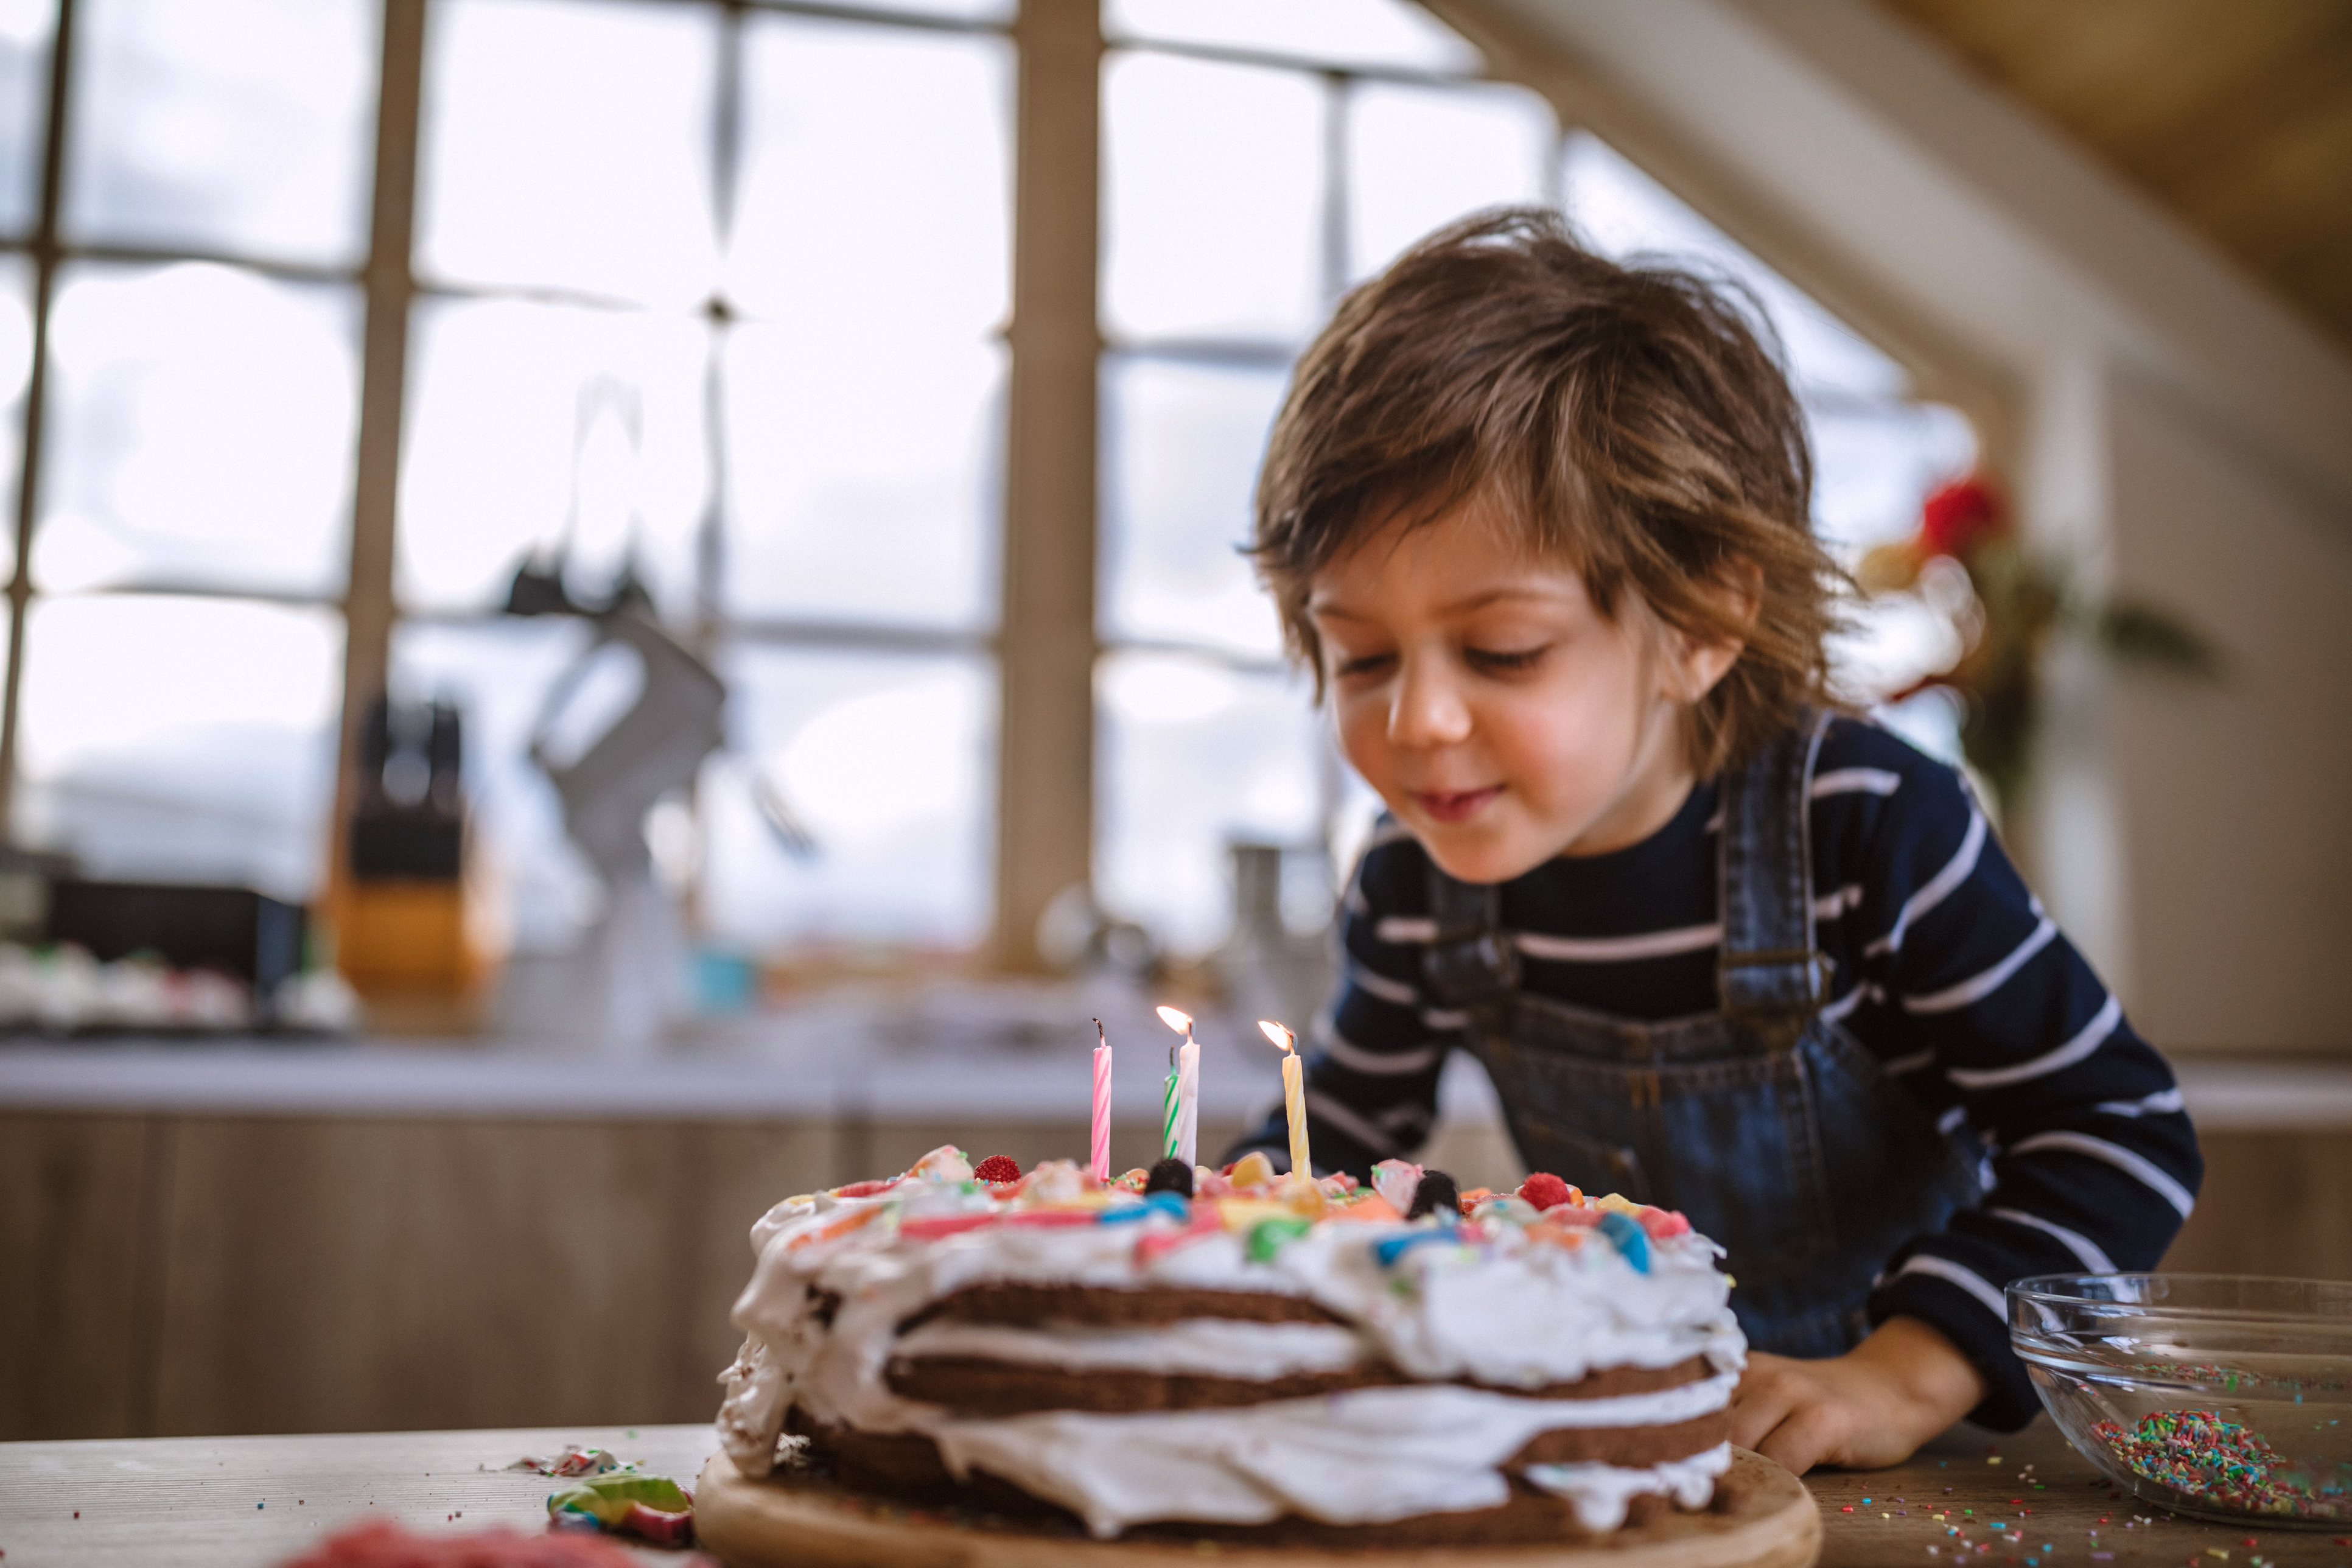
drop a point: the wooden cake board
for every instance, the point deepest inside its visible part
(798, 1521)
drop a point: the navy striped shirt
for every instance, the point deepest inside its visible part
(1946, 966)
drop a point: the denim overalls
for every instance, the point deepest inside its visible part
(1774, 1130)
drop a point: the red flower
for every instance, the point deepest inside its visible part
(1960, 516)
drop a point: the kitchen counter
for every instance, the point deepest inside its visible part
(846, 1074)
(248, 1502)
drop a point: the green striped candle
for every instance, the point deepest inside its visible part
(1168, 1111)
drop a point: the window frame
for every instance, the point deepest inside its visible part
(1048, 639)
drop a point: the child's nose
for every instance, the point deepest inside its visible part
(1427, 710)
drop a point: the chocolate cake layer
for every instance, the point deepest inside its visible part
(981, 1387)
(906, 1469)
(1626, 1445)
(1027, 1306)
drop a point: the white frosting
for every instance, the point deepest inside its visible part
(1365, 1457)
(1490, 1306)
(1601, 1492)
(1205, 1347)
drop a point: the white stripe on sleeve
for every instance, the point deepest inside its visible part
(1911, 1063)
(1445, 1019)
(1856, 781)
(1846, 1004)
(2115, 1154)
(1356, 1058)
(1830, 906)
(1968, 1279)
(1985, 982)
(2164, 1102)
(1617, 948)
(1381, 986)
(2081, 1246)
(1937, 887)
(1319, 1104)
(1405, 927)
(2093, 1035)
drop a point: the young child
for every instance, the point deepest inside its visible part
(1539, 524)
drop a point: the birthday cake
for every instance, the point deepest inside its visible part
(1239, 1354)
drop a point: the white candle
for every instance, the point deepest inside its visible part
(1294, 1095)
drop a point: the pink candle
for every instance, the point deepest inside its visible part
(1102, 1105)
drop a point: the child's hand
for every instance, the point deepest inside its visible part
(1869, 1407)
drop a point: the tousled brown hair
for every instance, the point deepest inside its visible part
(1627, 418)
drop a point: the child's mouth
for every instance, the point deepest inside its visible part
(1455, 806)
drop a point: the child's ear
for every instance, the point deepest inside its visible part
(1694, 661)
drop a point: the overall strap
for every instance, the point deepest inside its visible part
(1470, 963)
(1768, 972)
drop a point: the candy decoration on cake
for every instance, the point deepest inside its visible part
(998, 1169)
(1434, 1193)
(1306, 1357)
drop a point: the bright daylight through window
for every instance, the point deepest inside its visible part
(713, 298)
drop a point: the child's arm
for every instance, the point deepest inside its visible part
(1373, 1059)
(1872, 1406)
(1970, 995)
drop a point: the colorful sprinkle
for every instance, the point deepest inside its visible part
(2218, 1464)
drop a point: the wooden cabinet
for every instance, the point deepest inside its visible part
(184, 1275)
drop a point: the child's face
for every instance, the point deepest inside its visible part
(1503, 717)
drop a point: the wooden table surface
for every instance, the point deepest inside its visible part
(248, 1502)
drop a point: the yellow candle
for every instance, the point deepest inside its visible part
(1294, 1095)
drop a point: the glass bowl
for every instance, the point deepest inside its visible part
(2214, 1395)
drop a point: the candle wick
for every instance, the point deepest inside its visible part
(1098, 1034)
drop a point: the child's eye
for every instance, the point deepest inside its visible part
(1503, 660)
(1363, 664)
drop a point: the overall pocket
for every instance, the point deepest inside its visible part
(1571, 1116)
(1892, 1172)
(1741, 1142)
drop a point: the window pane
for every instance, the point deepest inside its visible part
(1339, 32)
(1180, 450)
(202, 433)
(568, 144)
(182, 740)
(963, 10)
(1418, 158)
(1622, 211)
(238, 125)
(16, 373)
(1212, 177)
(532, 425)
(25, 27)
(889, 764)
(875, 177)
(498, 675)
(1191, 754)
(863, 478)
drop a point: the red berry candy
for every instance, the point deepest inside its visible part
(1543, 1190)
(997, 1168)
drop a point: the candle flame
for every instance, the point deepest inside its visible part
(1180, 1022)
(1279, 1035)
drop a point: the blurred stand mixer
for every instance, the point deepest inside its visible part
(620, 985)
